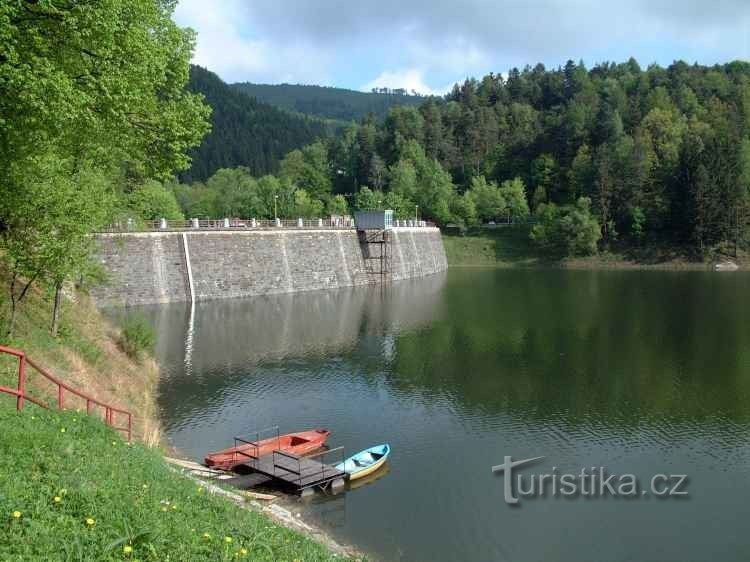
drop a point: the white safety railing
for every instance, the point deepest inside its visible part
(334, 223)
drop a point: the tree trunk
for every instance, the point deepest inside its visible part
(12, 323)
(55, 328)
(15, 301)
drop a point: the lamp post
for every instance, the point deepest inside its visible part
(416, 213)
(275, 214)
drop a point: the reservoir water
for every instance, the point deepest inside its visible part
(642, 373)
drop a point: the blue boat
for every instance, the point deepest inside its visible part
(365, 462)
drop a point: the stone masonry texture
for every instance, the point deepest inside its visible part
(151, 267)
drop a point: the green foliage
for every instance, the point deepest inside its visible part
(117, 501)
(402, 207)
(308, 169)
(153, 201)
(507, 246)
(513, 193)
(657, 151)
(569, 230)
(464, 209)
(488, 200)
(138, 337)
(338, 206)
(197, 200)
(92, 102)
(233, 192)
(103, 82)
(305, 206)
(507, 202)
(246, 132)
(433, 187)
(325, 102)
(366, 199)
(639, 219)
(48, 222)
(236, 193)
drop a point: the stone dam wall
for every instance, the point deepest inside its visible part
(171, 266)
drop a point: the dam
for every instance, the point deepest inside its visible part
(183, 265)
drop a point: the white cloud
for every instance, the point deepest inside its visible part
(411, 79)
(423, 43)
(223, 47)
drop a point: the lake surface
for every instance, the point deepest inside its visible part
(638, 372)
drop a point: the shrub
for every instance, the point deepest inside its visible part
(570, 230)
(137, 336)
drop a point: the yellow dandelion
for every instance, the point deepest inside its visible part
(206, 536)
(114, 442)
(127, 549)
(174, 506)
(164, 509)
(227, 539)
(16, 515)
(145, 486)
(243, 551)
(90, 521)
(200, 489)
(62, 430)
(57, 499)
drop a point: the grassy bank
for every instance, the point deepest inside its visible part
(506, 246)
(512, 247)
(72, 489)
(94, 473)
(87, 353)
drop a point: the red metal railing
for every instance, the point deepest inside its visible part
(110, 412)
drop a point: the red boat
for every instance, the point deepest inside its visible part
(300, 443)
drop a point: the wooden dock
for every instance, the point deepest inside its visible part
(297, 473)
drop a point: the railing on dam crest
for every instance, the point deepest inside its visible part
(334, 223)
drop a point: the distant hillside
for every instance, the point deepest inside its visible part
(246, 132)
(329, 103)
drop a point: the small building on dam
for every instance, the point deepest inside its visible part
(203, 260)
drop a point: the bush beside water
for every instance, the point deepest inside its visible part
(138, 337)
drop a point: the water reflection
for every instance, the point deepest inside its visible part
(208, 349)
(641, 372)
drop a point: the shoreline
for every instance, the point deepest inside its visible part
(280, 515)
(594, 264)
(277, 513)
(512, 248)
(89, 355)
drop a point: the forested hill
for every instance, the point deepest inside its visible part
(245, 132)
(662, 154)
(610, 156)
(329, 103)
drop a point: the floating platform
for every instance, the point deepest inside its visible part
(295, 472)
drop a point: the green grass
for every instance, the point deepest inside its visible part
(124, 490)
(32, 332)
(138, 337)
(505, 246)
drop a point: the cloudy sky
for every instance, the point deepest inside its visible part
(428, 45)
